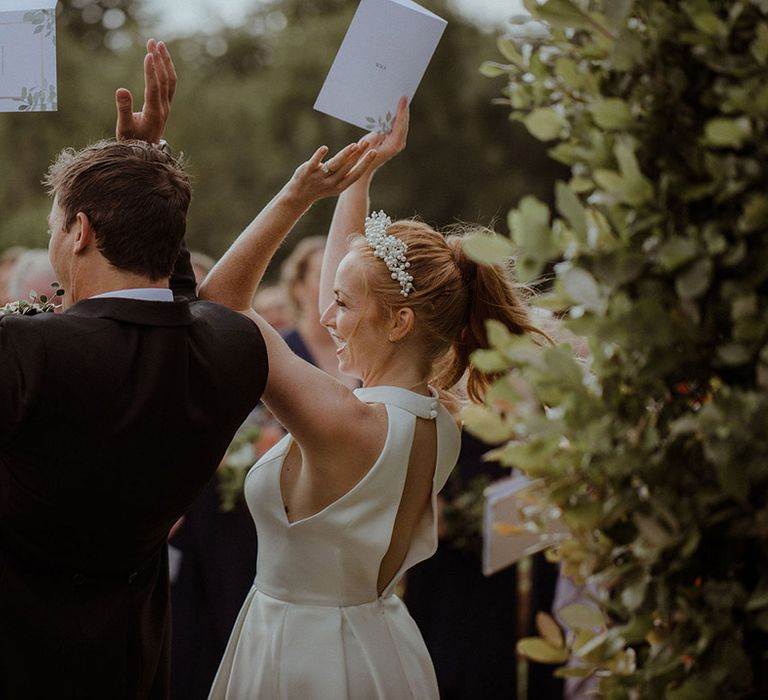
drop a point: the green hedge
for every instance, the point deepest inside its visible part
(654, 446)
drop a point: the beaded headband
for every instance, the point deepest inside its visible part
(389, 248)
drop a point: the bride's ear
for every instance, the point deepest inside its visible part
(401, 324)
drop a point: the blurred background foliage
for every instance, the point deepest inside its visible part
(243, 116)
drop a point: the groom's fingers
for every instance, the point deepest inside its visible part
(163, 79)
(151, 84)
(165, 54)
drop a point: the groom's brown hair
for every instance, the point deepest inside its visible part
(136, 196)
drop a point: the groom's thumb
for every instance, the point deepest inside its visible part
(124, 102)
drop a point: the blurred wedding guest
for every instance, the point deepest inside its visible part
(31, 271)
(202, 264)
(216, 566)
(271, 303)
(300, 278)
(471, 622)
(7, 263)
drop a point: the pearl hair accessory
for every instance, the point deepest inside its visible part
(389, 248)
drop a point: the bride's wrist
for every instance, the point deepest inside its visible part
(294, 199)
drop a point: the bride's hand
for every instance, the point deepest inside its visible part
(317, 179)
(387, 146)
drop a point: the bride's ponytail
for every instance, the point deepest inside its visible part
(491, 294)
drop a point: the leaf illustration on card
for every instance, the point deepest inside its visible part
(381, 125)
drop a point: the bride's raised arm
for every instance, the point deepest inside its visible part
(353, 204)
(233, 281)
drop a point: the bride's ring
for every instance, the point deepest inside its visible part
(324, 167)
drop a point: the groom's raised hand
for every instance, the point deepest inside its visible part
(159, 88)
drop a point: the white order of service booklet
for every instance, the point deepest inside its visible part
(506, 540)
(383, 56)
(28, 56)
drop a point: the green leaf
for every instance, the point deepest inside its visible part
(653, 532)
(584, 516)
(488, 248)
(534, 457)
(637, 189)
(695, 279)
(531, 231)
(759, 47)
(628, 51)
(729, 133)
(489, 361)
(759, 599)
(581, 617)
(486, 424)
(755, 215)
(573, 672)
(567, 70)
(583, 288)
(509, 50)
(563, 14)
(617, 11)
(610, 181)
(544, 123)
(633, 593)
(570, 207)
(549, 630)
(499, 336)
(710, 24)
(491, 69)
(612, 113)
(540, 650)
(734, 354)
(695, 688)
(677, 251)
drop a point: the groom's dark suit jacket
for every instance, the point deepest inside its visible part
(113, 416)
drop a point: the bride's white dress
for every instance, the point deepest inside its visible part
(313, 627)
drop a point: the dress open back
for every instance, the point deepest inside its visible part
(314, 626)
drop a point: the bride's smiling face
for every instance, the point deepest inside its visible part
(355, 321)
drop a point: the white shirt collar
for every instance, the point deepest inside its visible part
(142, 294)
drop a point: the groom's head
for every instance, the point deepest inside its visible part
(127, 201)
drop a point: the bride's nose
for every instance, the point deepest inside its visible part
(327, 317)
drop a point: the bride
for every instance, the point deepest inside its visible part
(346, 502)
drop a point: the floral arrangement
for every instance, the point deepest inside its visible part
(36, 305)
(241, 455)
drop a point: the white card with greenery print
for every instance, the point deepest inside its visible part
(383, 56)
(28, 56)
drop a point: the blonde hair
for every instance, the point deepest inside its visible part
(293, 271)
(452, 298)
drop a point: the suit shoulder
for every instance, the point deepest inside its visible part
(222, 318)
(42, 324)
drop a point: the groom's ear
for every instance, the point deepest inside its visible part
(83, 233)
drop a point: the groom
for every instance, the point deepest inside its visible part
(113, 416)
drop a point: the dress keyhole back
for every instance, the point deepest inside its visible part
(415, 501)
